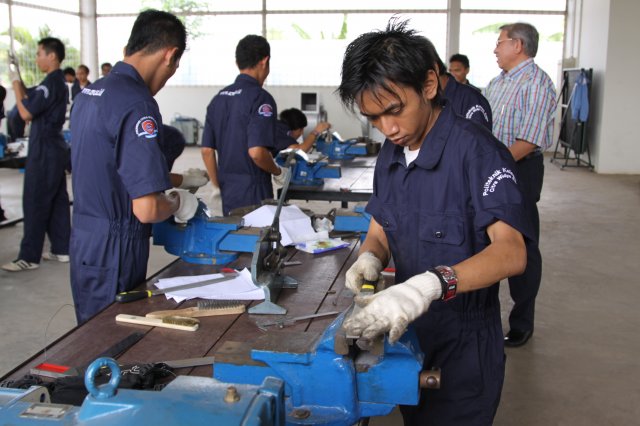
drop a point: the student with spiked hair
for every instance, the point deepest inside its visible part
(446, 206)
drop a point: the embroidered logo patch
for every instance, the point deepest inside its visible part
(495, 178)
(147, 127)
(44, 89)
(265, 110)
(474, 109)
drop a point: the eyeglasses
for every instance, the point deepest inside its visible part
(504, 39)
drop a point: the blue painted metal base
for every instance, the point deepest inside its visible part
(204, 240)
(185, 401)
(332, 389)
(310, 173)
(337, 149)
(356, 221)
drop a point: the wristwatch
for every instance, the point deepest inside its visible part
(448, 279)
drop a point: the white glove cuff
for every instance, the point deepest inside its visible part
(427, 285)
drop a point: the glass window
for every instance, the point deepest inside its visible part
(4, 46)
(334, 5)
(479, 32)
(30, 25)
(113, 34)
(210, 55)
(135, 6)
(235, 5)
(210, 58)
(308, 49)
(69, 5)
(556, 5)
(119, 6)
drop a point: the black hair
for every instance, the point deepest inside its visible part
(396, 55)
(84, 67)
(442, 68)
(69, 71)
(171, 144)
(251, 50)
(459, 57)
(3, 95)
(154, 30)
(294, 118)
(52, 44)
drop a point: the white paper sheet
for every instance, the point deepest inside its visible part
(295, 226)
(239, 288)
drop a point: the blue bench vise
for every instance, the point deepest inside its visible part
(356, 220)
(219, 240)
(310, 169)
(327, 381)
(331, 145)
(206, 240)
(282, 379)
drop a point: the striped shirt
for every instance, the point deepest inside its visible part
(523, 102)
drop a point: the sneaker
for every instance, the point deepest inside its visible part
(64, 258)
(19, 265)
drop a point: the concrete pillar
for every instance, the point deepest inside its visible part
(89, 37)
(453, 31)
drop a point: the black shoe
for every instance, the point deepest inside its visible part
(515, 338)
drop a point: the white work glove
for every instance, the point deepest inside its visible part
(216, 197)
(279, 179)
(188, 205)
(367, 267)
(194, 179)
(392, 310)
(14, 69)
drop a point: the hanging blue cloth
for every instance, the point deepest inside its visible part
(580, 101)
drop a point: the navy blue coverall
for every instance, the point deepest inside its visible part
(45, 201)
(436, 212)
(241, 116)
(468, 102)
(283, 138)
(116, 158)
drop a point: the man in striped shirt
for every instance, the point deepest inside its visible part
(523, 103)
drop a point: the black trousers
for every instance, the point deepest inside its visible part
(524, 288)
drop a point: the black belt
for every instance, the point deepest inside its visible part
(531, 155)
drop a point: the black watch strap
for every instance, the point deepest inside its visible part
(448, 280)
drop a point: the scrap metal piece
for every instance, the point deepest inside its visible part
(283, 322)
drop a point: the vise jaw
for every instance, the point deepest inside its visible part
(322, 386)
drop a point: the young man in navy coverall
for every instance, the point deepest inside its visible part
(119, 171)
(45, 201)
(447, 207)
(240, 132)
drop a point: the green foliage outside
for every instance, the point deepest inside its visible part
(184, 10)
(26, 46)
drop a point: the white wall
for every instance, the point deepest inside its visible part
(620, 143)
(193, 101)
(609, 45)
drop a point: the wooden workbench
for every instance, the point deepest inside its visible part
(320, 276)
